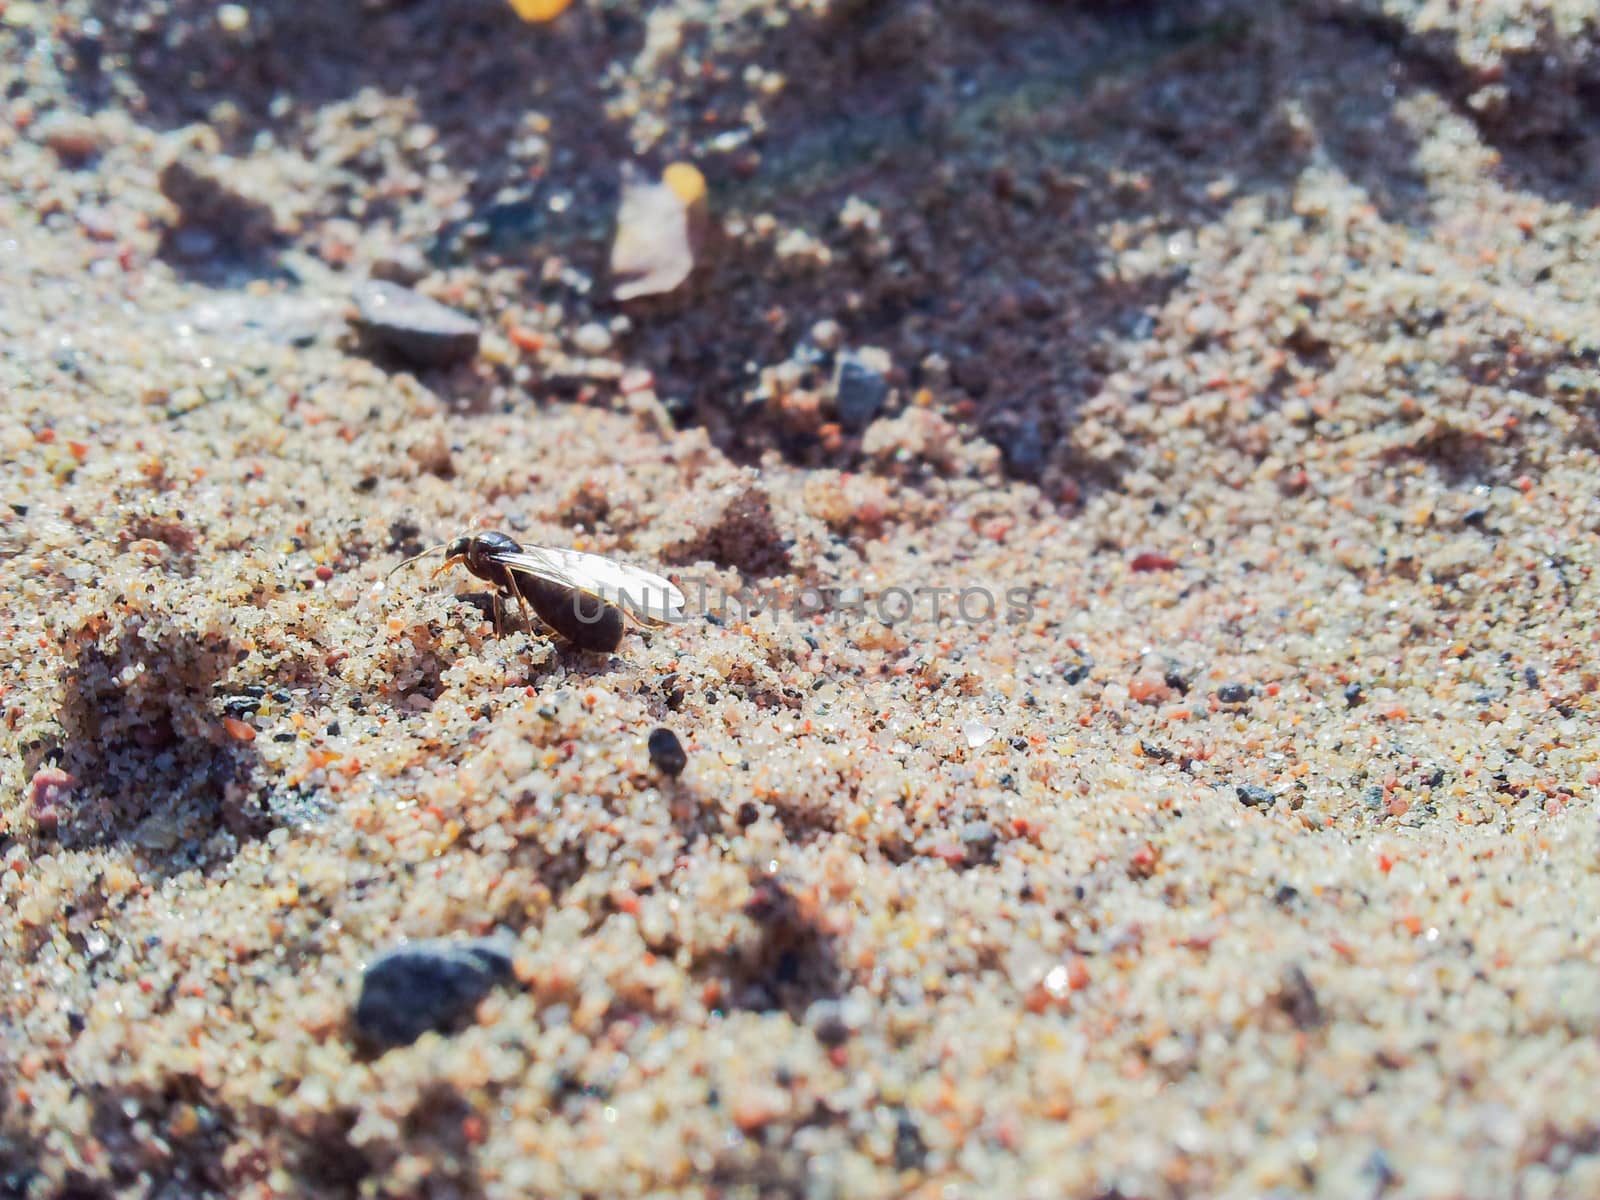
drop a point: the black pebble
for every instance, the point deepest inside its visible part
(828, 1026)
(910, 1151)
(427, 985)
(1352, 694)
(1233, 693)
(1076, 672)
(1252, 796)
(859, 392)
(241, 706)
(666, 752)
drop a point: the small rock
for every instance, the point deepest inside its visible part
(74, 139)
(1252, 796)
(910, 1150)
(825, 1019)
(1149, 688)
(412, 326)
(428, 985)
(233, 18)
(979, 839)
(825, 335)
(976, 733)
(859, 391)
(834, 1022)
(1074, 673)
(592, 338)
(1298, 998)
(1024, 449)
(1352, 695)
(1233, 693)
(667, 752)
(46, 790)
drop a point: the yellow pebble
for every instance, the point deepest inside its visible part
(540, 10)
(686, 182)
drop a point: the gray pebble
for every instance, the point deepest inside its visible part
(979, 839)
(420, 330)
(1252, 796)
(428, 985)
(859, 392)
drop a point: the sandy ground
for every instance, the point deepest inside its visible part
(1244, 354)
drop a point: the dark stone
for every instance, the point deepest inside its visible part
(828, 1026)
(859, 392)
(1252, 796)
(1024, 449)
(1233, 693)
(979, 838)
(1156, 753)
(910, 1151)
(1352, 695)
(1076, 672)
(417, 329)
(428, 985)
(241, 706)
(1297, 998)
(667, 752)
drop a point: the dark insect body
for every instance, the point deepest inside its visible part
(567, 588)
(585, 620)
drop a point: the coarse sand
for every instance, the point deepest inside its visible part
(1134, 469)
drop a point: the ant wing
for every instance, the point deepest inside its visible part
(641, 594)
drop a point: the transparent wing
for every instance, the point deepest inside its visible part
(641, 594)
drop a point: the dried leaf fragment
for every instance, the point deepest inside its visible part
(657, 228)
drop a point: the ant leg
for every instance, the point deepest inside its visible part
(527, 619)
(494, 605)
